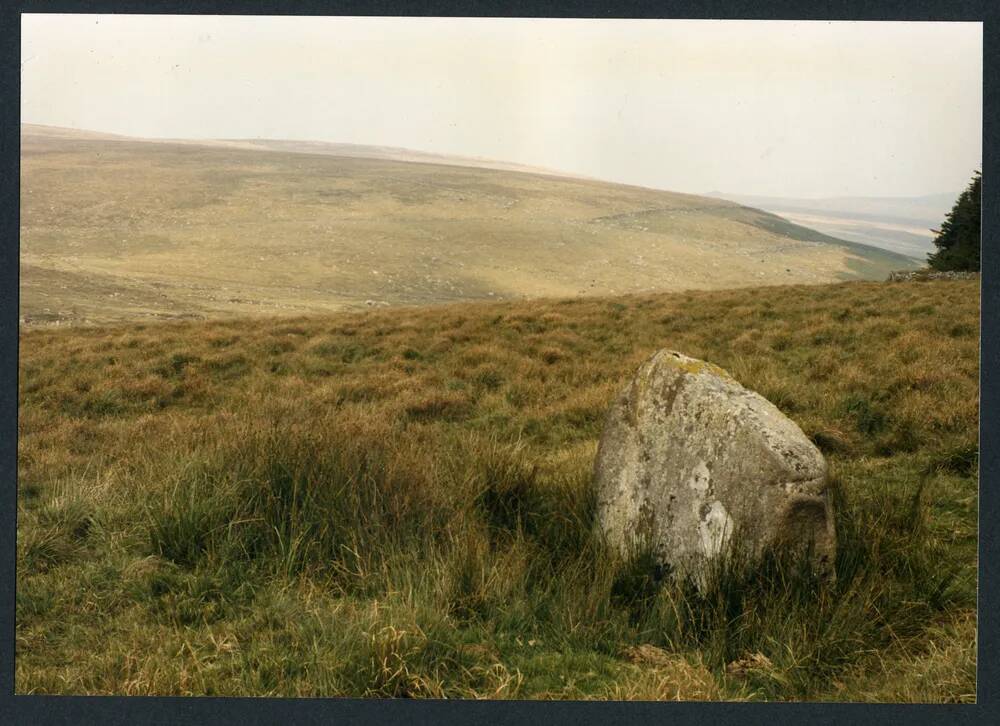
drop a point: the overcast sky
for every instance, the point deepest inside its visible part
(752, 107)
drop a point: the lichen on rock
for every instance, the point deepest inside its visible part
(690, 462)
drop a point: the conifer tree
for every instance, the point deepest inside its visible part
(958, 239)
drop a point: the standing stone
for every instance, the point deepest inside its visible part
(691, 462)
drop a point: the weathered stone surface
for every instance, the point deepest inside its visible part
(690, 460)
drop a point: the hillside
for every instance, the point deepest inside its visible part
(898, 224)
(397, 502)
(116, 229)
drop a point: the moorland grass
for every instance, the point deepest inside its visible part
(162, 229)
(398, 503)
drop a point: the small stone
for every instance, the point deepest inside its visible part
(647, 654)
(744, 666)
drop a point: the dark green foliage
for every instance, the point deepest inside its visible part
(296, 499)
(868, 419)
(59, 532)
(175, 366)
(830, 442)
(959, 237)
(507, 489)
(488, 378)
(962, 460)
(229, 367)
(637, 582)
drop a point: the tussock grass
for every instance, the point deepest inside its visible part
(398, 503)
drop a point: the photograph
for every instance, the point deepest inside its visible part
(496, 358)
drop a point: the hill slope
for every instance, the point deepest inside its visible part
(117, 229)
(326, 148)
(898, 224)
(396, 502)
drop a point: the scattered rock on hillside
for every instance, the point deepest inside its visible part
(922, 275)
(691, 462)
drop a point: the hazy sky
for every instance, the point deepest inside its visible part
(756, 107)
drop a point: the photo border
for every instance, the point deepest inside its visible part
(246, 711)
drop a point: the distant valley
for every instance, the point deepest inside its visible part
(899, 224)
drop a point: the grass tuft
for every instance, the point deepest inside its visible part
(403, 507)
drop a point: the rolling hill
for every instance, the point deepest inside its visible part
(115, 228)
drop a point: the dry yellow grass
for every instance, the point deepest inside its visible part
(119, 230)
(395, 503)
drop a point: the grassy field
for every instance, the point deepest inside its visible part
(397, 502)
(114, 230)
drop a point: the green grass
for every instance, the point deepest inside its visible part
(399, 503)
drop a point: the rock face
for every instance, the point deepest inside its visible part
(691, 462)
